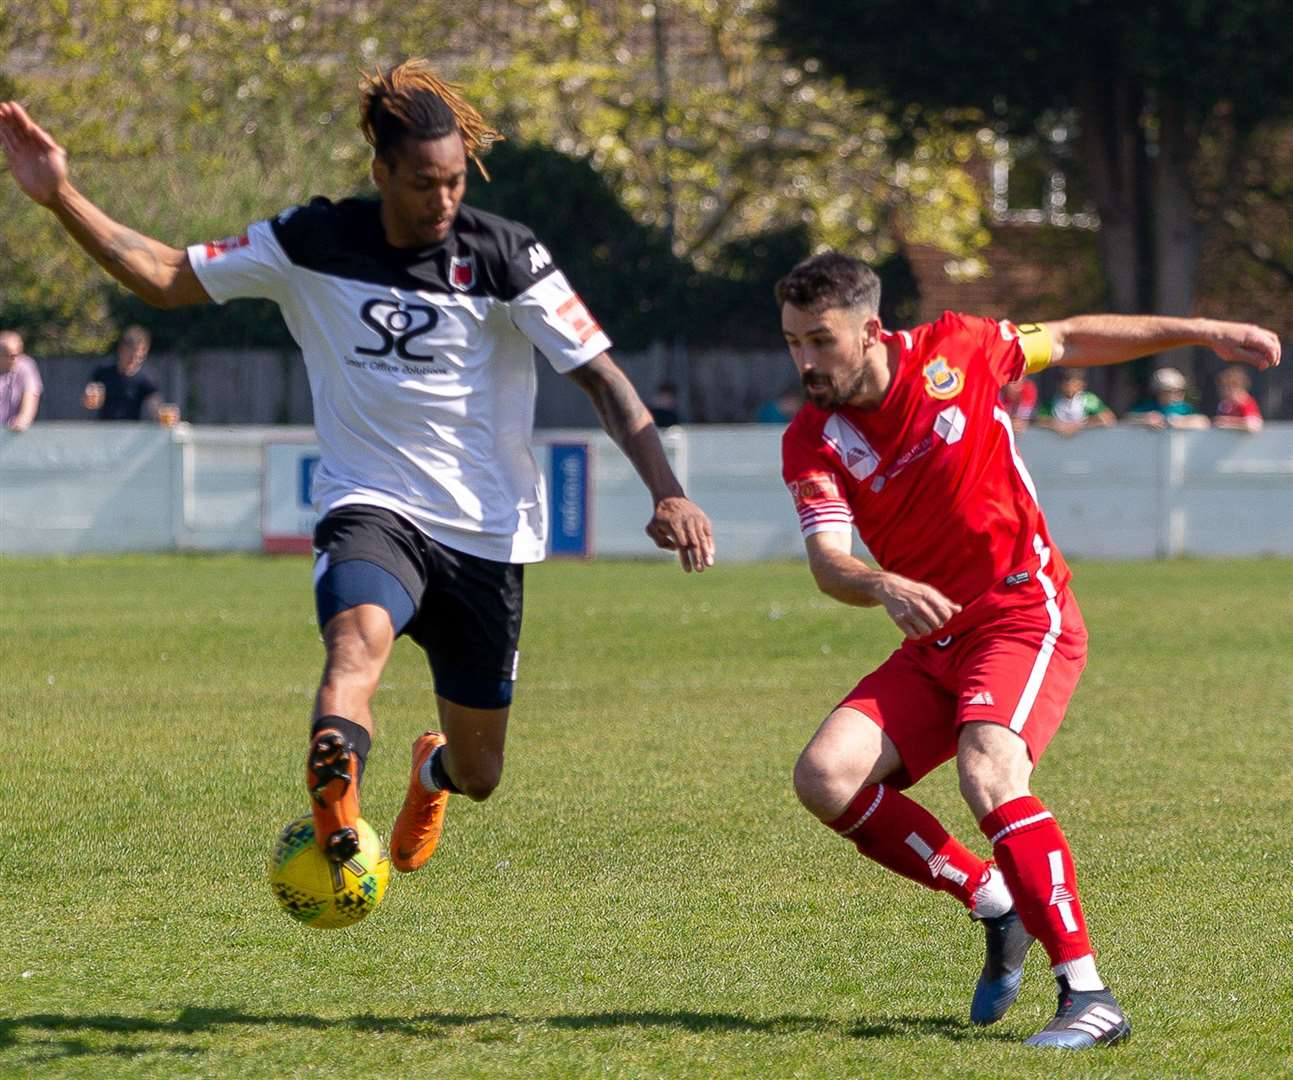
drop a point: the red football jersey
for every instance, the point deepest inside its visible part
(931, 478)
(1243, 405)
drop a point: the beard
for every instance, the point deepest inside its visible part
(826, 393)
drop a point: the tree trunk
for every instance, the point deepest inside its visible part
(1176, 226)
(1113, 149)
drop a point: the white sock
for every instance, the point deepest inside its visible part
(1080, 973)
(993, 898)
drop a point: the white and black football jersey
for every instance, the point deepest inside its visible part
(421, 362)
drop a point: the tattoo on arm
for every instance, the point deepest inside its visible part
(616, 402)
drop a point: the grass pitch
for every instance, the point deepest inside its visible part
(642, 897)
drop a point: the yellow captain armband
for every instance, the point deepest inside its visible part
(1036, 341)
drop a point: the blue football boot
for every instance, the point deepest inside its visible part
(1086, 1018)
(1003, 967)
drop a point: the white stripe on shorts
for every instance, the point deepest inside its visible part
(1034, 684)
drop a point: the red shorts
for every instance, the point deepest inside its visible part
(1017, 669)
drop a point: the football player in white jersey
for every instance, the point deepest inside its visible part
(418, 318)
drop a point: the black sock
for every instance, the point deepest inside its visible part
(438, 774)
(360, 741)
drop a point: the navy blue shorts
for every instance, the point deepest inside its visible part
(463, 610)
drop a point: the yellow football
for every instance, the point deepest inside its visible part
(321, 893)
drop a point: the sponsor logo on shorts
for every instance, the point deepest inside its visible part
(1019, 578)
(983, 697)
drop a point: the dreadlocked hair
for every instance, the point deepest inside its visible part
(409, 100)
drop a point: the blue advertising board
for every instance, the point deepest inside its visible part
(569, 532)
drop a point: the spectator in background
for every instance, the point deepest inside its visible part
(1168, 407)
(20, 385)
(782, 408)
(1019, 400)
(664, 405)
(1074, 408)
(1236, 408)
(123, 390)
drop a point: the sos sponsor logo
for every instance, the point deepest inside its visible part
(398, 326)
(942, 381)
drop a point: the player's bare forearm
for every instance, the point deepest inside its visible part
(155, 272)
(917, 609)
(1098, 340)
(839, 573)
(677, 524)
(628, 422)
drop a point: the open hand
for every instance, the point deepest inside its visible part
(37, 162)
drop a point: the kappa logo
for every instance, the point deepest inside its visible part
(462, 272)
(539, 258)
(942, 381)
(949, 425)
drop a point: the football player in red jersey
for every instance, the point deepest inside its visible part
(903, 438)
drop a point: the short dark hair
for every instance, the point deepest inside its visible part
(408, 101)
(830, 280)
(133, 336)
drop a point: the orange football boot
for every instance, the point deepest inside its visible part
(417, 829)
(331, 776)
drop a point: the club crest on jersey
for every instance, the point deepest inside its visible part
(942, 381)
(462, 272)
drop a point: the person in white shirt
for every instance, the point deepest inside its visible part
(418, 317)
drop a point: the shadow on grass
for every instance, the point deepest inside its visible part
(77, 1032)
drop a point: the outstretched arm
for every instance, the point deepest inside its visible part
(153, 271)
(917, 609)
(1096, 340)
(678, 524)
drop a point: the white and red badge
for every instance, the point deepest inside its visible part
(578, 318)
(462, 272)
(216, 248)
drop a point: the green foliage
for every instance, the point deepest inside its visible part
(1167, 102)
(643, 895)
(188, 120)
(1016, 61)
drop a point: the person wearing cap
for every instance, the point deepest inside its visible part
(1168, 407)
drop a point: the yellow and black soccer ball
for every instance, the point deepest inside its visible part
(321, 893)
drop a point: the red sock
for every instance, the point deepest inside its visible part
(1034, 857)
(901, 834)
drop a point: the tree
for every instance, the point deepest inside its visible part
(1169, 98)
(189, 119)
(708, 131)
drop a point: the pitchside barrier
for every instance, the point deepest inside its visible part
(80, 487)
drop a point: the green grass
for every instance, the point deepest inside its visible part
(643, 896)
